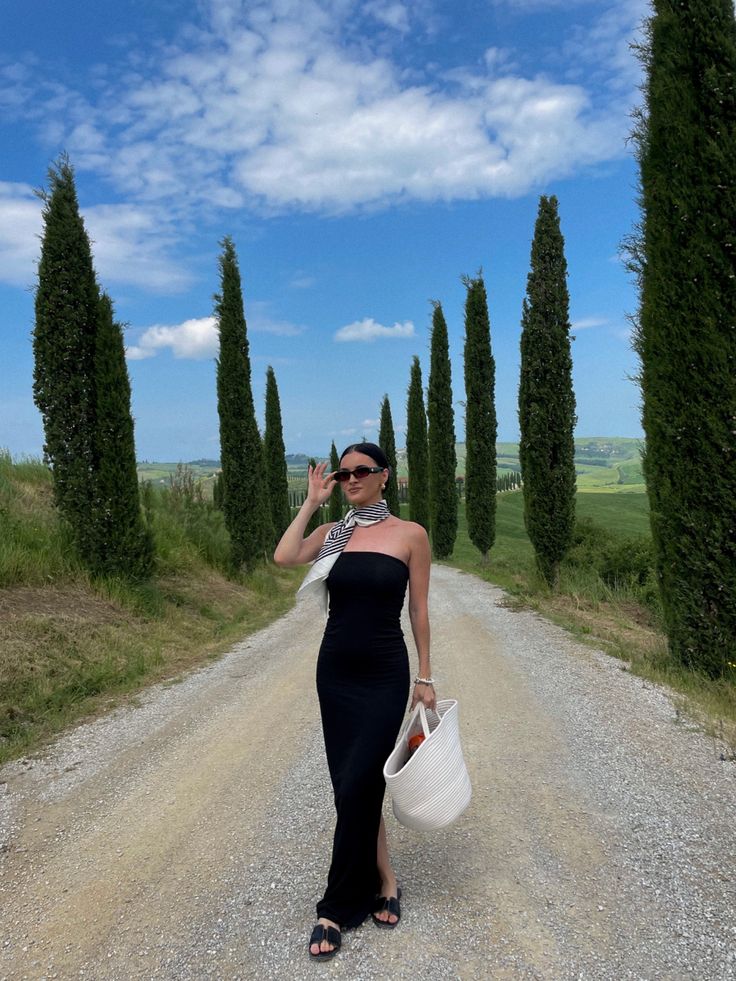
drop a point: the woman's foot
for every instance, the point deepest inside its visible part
(388, 909)
(325, 940)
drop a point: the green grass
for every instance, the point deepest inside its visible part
(71, 646)
(622, 616)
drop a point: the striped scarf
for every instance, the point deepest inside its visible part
(337, 538)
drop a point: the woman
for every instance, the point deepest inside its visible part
(365, 562)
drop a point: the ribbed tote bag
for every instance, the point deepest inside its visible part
(431, 788)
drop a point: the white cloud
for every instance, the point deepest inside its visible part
(129, 246)
(369, 330)
(395, 15)
(371, 423)
(586, 322)
(272, 107)
(128, 242)
(20, 226)
(196, 339)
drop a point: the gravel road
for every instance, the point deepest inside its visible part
(186, 836)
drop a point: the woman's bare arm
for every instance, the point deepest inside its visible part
(294, 548)
(419, 566)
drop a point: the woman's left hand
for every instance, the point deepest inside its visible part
(425, 694)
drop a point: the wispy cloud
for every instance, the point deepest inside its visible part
(302, 281)
(20, 226)
(270, 107)
(129, 243)
(369, 330)
(395, 15)
(587, 322)
(261, 321)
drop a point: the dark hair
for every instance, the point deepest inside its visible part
(368, 449)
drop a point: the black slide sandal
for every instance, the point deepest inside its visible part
(331, 935)
(388, 904)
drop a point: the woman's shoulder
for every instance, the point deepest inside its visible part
(411, 529)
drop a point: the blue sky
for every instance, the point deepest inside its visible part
(363, 156)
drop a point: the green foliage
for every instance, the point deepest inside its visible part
(187, 530)
(546, 399)
(480, 419)
(622, 563)
(244, 498)
(275, 460)
(35, 546)
(441, 438)
(122, 545)
(387, 442)
(417, 449)
(683, 254)
(334, 507)
(67, 310)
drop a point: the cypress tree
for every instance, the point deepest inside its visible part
(480, 420)
(417, 449)
(275, 460)
(387, 442)
(241, 453)
(546, 398)
(334, 509)
(122, 544)
(441, 438)
(686, 340)
(67, 311)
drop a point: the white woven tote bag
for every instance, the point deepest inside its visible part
(431, 788)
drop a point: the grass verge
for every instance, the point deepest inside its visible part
(621, 618)
(72, 646)
(72, 650)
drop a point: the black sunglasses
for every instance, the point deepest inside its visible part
(343, 476)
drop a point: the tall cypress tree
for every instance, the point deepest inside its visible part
(480, 420)
(546, 398)
(686, 339)
(122, 544)
(336, 499)
(275, 460)
(441, 437)
(67, 312)
(387, 442)
(417, 449)
(241, 454)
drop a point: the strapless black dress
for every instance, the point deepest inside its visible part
(363, 687)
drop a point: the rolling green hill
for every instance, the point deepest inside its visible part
(603, 465)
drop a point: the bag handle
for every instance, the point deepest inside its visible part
(420, 712)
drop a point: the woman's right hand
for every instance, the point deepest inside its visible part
(320, 484)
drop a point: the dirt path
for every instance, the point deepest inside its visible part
(187, 836)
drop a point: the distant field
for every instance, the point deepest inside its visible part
(603, 465)
(624, 515)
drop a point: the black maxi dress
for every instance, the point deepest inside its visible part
(363, 688)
